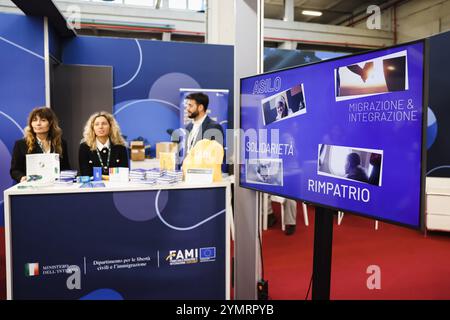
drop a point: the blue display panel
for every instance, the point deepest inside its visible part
(126, 245)
(343, 133)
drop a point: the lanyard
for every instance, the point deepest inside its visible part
(42, 146)
(101, 161)
(192, 137)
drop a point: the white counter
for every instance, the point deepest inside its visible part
(109, 186)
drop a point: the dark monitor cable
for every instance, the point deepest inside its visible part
(262, 286)
(261, 252)
(309, 288)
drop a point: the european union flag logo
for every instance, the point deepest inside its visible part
(208, 253)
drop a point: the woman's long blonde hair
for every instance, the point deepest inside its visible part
(54, 132)
(115, 136)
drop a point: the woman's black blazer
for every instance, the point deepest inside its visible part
(19, 163)
(88, 159)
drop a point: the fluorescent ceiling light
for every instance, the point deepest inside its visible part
(312, 13)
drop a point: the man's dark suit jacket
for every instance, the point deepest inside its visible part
(210, 130)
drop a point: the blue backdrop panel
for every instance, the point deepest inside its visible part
(156, 228)
(148, 75)
(438, 131)
(22, 83)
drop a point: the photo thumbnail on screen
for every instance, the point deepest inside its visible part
(286, 104)
(357, 164)
(385, 74)
(264, 171)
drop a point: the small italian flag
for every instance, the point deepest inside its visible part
(32, 269)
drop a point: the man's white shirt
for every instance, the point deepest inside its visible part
(197, 125)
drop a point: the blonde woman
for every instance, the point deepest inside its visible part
(42, 135)
(103, 145)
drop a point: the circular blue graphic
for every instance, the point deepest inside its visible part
(167, 87)
(137, 118)
(103, 294)
(139, 206)
(432, 128)
(138, 68)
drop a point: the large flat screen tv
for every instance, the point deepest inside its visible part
(345, 133)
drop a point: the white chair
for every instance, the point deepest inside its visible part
(341, 216)
(280, 200)
(305, 213)
(264, 203)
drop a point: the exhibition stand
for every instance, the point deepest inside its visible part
(134, 241)
(120, 241)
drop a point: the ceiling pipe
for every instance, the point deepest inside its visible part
(335, 44)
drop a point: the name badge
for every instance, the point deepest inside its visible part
(199, 176)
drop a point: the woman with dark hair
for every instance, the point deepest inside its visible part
(42, 135)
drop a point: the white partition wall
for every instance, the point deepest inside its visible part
(247, 61)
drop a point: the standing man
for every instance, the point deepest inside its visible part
(202, 126)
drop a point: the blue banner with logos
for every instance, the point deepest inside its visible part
(158, 244)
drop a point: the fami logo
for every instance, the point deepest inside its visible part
(186, 256)
(190, 256)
